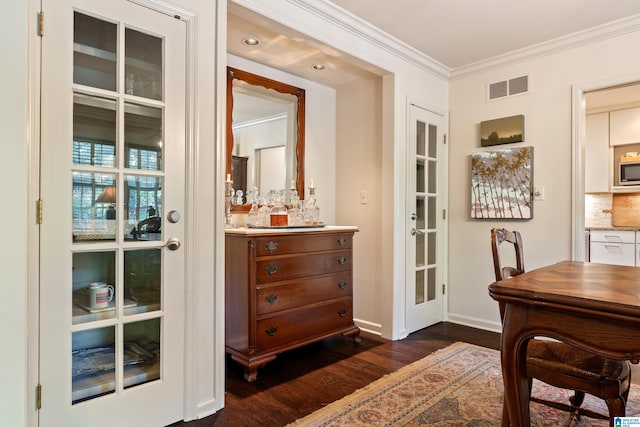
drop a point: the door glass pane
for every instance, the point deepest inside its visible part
(431, 247)
(143, 207)
(94, 52)
(420, 213)
(433, 141)
(143, 64)
(420, 138)
(93, 363)
(431, 212)
(94, 131)
(142, 280)
(420, 250)
(432, 182)
(94, 206)
(420, 176)
(141, 359)
(94, 278)
(419, 295)
(431, 284)
(143, 137)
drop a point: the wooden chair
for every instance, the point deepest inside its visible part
(562, 365)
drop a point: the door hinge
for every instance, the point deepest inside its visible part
(444, 214)
(445, 138)
(41, 24)
(38, 396)
(39, 211)
(444, 288)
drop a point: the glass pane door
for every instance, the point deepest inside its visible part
(111, 292)
(423, 267)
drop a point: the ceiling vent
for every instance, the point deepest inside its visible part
(506, 88)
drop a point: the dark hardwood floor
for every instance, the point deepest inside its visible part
(303, 380)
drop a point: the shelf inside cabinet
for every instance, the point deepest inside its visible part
(82, 313)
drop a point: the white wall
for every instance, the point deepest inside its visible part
(320, 132)
(359, 166)
(548, 128)
(14, 217)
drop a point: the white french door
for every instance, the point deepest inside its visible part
(112, 186)
(426, 200)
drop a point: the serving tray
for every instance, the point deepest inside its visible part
(321, 225)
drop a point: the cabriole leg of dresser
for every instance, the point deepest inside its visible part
(354, 333)
(252, 364)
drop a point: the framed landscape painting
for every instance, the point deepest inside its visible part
(502, 184)
(506, 130)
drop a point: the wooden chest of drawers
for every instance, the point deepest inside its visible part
(284, 290)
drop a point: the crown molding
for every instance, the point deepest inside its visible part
(332, 15)
(572, 41)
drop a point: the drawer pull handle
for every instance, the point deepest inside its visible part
(271, 331)
(272, 269)
(271, 246)
(271, 298)
(342, 241)
(342, 312)
(342, 260)
(342, 285)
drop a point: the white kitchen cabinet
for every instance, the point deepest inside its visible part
(597, 176)
(613, 247)
(624, 126)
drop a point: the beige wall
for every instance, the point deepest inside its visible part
(359, 166)
(548, 128)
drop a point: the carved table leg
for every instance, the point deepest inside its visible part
(513, 353)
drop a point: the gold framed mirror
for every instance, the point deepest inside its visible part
(254, 101)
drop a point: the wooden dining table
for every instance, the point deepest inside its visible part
(595, 307)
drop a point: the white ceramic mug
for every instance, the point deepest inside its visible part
(100, 295)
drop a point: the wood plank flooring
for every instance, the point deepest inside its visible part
(303, 380)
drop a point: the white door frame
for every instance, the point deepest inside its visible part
(577, 155)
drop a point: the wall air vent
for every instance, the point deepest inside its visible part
(506, 88)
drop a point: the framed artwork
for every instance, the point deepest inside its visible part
(506, 130)
(502, 184)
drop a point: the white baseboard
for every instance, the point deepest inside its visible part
(369, 327)
(475, 322)
(207, 408)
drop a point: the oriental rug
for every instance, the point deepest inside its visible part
(460, 385)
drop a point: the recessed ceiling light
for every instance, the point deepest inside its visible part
(250, 41)
(318, 67)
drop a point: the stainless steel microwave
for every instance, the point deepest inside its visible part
(629, 173)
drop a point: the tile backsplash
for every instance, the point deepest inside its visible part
(597, 210)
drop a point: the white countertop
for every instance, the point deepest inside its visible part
(245, 230)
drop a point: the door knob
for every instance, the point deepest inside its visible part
(173, 244)
(414, 232)
(414, 216)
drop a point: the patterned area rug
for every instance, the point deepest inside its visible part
(460, 385)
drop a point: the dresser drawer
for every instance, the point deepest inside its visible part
(295, 293)
(304, 324)
(280, 245)
(297, 266)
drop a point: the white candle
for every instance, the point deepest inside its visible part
(312, 186)
(228, 177)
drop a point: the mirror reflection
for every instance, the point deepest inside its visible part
(265, 133)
